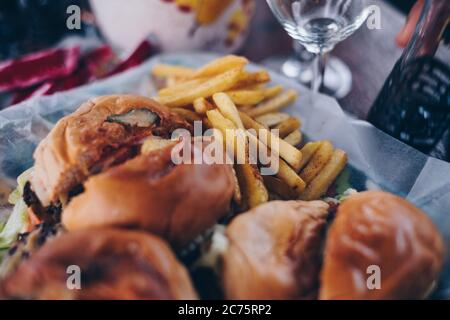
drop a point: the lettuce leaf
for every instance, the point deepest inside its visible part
(21, 181)
(16, 223)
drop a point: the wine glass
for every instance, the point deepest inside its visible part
(319, 25)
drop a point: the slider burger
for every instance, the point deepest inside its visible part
(274, 251)
(150, 192)
(381, 230)
(102, 133)
(112, 264)
(93, 168)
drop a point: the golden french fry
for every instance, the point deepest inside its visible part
(245, 107)
(189, 115)
(226, 106)
(220, 65)
(237, 195)
(272, 92)
(322, 182)
(246, 96)
(308, 151)
(233, 140)
(171, 81)
(252, 79)
(219, 83)
(179, 87)
(252, 185)
(275, 104)
(285, 172)
(207, 12)
(155, 143)
(279, 187)
(288, 126)
(318, 161)
(166, 71)
(292, 155)
(201, 105)
(272, 119)
(295, 138)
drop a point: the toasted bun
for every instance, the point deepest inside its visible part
(90, 138)
(275, 251)
(386, 231)
(113, 264)
(150, 192)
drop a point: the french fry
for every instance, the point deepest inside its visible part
(308, 151)
(272, 92)
(183, 86)
(295, 138)
(275, 104)
(226, 106)
(285, 172)
(322, 182)
(232, 139)
(288, 126)
(279, 187)
(258, 86)
(171, 81)
(290, 154)
(272, 119)
(219, 66)
(245, 107)
(246, 96)
(252, 79)
(207, 123)
(219, 83)
(189, 115)
(201, 105)
(155, 143)
(250, 180)
(318, 161)
(167, 71)
(252, 185)
(237, 195)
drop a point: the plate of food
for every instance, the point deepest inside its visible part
(198, 176)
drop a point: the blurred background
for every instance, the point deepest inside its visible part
(41, 55)
(27, 26)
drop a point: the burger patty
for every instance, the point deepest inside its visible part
(50, 214)
(27, 243)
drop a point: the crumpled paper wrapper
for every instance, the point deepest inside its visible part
(377, 160)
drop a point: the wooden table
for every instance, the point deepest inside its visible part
(370, 54)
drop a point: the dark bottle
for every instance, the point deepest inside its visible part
(414, 103)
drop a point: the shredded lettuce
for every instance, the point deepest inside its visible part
(21, 181)
(18, 219)
(16, 223)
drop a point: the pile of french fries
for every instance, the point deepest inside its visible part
(224, 96)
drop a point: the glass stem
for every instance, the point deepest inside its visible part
(319, 72)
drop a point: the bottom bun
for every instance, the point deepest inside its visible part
(112, 264)
(150, 192)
